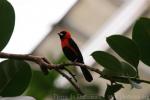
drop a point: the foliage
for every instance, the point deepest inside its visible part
(7, 21)
(131, 50)
(15, 74)
(141, 35)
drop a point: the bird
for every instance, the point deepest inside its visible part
(72, 52)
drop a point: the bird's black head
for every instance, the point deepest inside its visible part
(64, 34)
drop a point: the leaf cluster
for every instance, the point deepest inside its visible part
(130, 50)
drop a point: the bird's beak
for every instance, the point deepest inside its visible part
(58, 33)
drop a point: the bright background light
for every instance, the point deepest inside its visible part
(34, 19)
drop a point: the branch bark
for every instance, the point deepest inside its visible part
(45, 64)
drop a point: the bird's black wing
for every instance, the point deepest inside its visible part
(77, 52)
(70, 54)
(73, 53)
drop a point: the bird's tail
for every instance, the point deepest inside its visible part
(87, 74)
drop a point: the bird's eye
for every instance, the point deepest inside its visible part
(61, 34)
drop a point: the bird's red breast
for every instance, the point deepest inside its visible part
(65, 41)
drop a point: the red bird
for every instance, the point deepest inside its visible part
(73, 53)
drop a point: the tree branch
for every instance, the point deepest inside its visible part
(73, 75)
(111, 78)
(45, 64)
(69, 79)
(42, 62)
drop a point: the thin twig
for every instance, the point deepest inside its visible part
(66, 76)
(70, 80)
(73, 75)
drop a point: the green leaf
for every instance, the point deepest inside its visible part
(14, 77)
(7, 21)
(112, 73)
(129, 70)
(111, 90)
(108, 61)
(125, 48)
(141, 35)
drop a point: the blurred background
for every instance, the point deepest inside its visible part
(90, 22)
